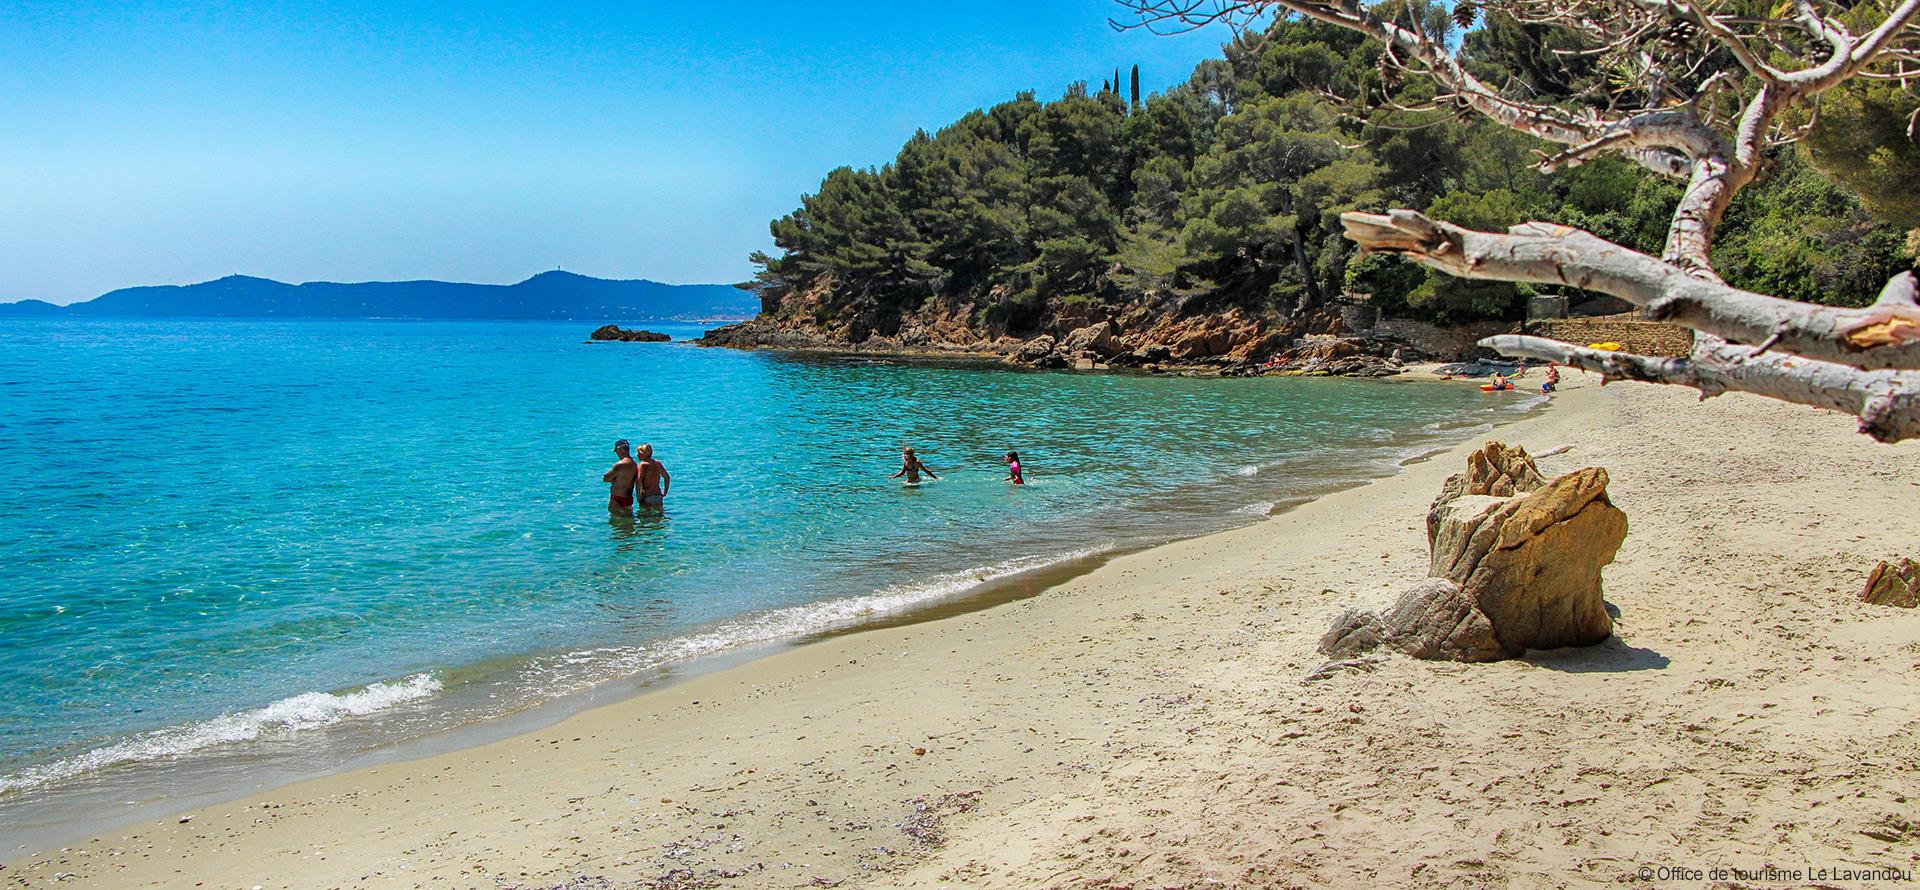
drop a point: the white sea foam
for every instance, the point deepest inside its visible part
(553, 675)
(1261, 508)
(1458, 429)
(576, 670)
(304, 711)
(1247, 471)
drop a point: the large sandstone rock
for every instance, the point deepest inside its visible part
(1435, 620)
(1532, 563)
(1432, 620)
(1353, 632)
(1894, 584)
(1515, 565)
(1501, 470)
(1497, 469)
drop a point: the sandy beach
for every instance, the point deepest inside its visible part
(1151, 724)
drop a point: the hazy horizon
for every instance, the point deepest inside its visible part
(172, 144)
(504, 283)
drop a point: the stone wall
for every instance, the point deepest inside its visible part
(1442, 344)
(1637, 334)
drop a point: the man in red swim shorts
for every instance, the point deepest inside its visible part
(622, 477)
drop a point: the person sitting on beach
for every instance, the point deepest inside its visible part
(622, 477)
(654, 482)
(911, 467)
(1553, 378)
(1013, 469)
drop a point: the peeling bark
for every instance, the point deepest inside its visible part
(1887, 402)
(1861, 361)
(1885, 335)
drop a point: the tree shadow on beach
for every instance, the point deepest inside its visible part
(1613, 655)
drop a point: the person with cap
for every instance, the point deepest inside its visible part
(622, 477)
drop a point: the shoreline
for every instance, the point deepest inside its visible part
(1006, 355)
(1146, 721)
(190, 794)
(989, 595)
(217, 776)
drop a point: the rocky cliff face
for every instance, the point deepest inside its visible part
(1158, 331)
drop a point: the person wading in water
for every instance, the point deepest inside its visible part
(654, 482)
(911, 467)
(622, 477)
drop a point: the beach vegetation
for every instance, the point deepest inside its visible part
(1227, 190)
(1791, 287)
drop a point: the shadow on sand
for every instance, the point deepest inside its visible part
(1612, 656)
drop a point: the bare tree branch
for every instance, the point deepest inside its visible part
(1887, 402)
(1884, 335)
(1863, 361)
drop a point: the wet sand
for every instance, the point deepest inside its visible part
(1149, 723)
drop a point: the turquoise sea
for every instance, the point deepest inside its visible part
(276, 546)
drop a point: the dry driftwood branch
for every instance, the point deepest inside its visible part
(1884, 335)
(1858, 360)
(1887, 402)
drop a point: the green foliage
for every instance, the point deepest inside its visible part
(1865, 141)
(1803, 237)
(1227, 190)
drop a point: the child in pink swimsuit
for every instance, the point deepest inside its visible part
(1013, 469)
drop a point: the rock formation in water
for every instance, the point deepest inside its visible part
(615, 332)
(1514, 564)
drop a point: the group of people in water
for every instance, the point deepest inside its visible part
(636, 477)
(911, 468)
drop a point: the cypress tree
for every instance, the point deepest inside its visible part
(1136, 86)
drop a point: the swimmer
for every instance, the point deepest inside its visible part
(911, 467)
(1013, 469)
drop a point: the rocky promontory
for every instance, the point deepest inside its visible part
(1159, 334)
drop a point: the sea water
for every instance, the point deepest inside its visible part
(290, 542)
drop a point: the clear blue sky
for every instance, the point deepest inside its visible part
(151, 143)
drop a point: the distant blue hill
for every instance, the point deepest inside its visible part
(549, 295)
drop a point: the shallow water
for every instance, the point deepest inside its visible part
(298, 540)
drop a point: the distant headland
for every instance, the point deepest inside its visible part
(548, 295)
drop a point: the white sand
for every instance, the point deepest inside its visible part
(1147, 725)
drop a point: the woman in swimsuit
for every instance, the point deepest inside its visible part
(911, 467)
(1013, 469)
